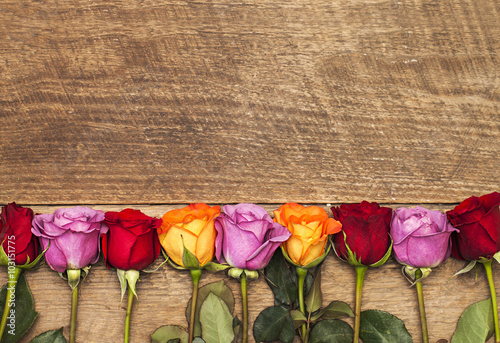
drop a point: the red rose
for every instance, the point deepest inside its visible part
(132, 240)
(366, 228)
(15, 234)
(478, 220)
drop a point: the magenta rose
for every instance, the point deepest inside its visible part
(74, 236)
(478, 219)
(421, 237)
(247, 236)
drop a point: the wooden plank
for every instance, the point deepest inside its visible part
(163, 298)
(164, 294)
(219, 101)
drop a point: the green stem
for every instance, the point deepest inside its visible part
(11, 295)
(74, 304)
(195, 275)
(360, 277)
(421, 307)
(489, 275)
(130, 302)
(244, 300)
(302, 273)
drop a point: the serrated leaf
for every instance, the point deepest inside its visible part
(219, 289)
(476, 323)
(23, 312)
(52, 336)
(335, 310)
(216, 320)
(331, 331)
(314, 298)
(382, 327)
(282, 280)
(274, 323)
(167, 333)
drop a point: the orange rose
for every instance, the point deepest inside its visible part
(192, 225)
(310, 227)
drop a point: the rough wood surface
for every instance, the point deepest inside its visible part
(163, 295)
(222, 101)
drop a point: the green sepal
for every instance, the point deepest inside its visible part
(73, 278)
(467, 268)
(123, 282)
(4, 259)
(132, 276)
(189, 260)
(237, 272)
(215, 267)
(311, 264)
(497, 257)
(410, 273)
(156, 269)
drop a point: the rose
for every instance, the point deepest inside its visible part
(478, 219)
(18, 242)
(74, 235)
(310, 227)
(247, 236)
(132, 240)
(191, 227)
(421, 237)
(365, 230)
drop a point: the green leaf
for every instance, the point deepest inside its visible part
(476, 323)
(236, 328)
(298, 318)
(174, 340)
(216, 320)
(335, 310)
(274, 323)
(282, 280)
(52, 336)
(167, 333)
(219, 289)
(331, 331)
(382, 327)
(22, 313)
(314, 299)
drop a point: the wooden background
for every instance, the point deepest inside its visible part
(155, 104)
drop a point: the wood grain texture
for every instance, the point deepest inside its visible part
(164, 102)
(163, 295)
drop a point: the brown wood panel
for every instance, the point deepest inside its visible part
(221, 101)
(163, 295)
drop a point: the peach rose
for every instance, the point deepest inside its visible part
(310, 227)
(192, 226)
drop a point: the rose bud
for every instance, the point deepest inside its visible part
(478, 219)
(421, 237)
(247, 236)
(18, 243)
(132, 240)
(364, 239)
(310, 227)
(74, 235)
(191, 227)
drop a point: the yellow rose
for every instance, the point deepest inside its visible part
(310, 227)
(192, 225)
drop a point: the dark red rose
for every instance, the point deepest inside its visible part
(366, 228)
(131, 241)
(15, 233)
(478, 219)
